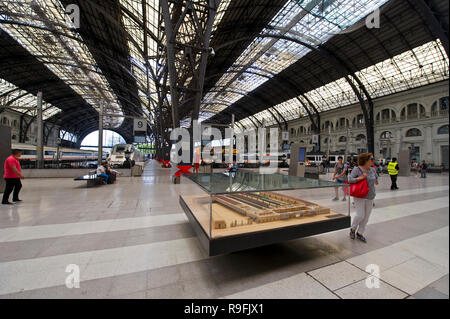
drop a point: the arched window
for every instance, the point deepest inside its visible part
(386, 135)
(386, 115)
(441, 108)
(325, 141)
(434, 109)
(342, 139)
(393, 116)
(412, 111)
(443, 104)
(414, 132)
(443, 130)
(360, 137)
(358, 121)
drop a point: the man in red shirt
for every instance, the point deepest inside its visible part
(12, 176)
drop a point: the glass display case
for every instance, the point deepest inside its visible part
(243, 210)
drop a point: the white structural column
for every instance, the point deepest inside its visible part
(428, 144)
(399, 139)
(40, 133)
(100, 134)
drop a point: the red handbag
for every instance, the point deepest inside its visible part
(360, 189)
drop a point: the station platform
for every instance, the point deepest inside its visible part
(133, 240)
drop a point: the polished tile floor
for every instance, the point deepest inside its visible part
(132, 240)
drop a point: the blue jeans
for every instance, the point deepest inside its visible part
(423, 173)
(106, 177)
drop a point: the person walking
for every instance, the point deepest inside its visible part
(12, 176)
(423, 169)
(340, 176)
(327, 165)
(393, 169)
(364, 171)
(414, 167)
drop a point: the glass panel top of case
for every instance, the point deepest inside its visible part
(244, 181)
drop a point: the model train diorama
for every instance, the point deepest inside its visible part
(263, 207)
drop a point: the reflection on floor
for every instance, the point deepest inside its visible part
(132, 240)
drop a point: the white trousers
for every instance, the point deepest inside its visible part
(363, 210)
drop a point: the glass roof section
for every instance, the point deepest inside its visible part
(223, 6)
(423, 65)
(313, 22)
(44, 32)
(133, 22)
(18, 100)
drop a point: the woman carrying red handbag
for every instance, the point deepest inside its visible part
(362, 187)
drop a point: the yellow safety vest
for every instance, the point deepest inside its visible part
(391, 168)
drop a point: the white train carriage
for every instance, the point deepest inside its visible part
(66, 155)
(119, 154)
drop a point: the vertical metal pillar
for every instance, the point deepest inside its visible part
(170, 38)
(40, 133)
(328, 141)
(213, 5)
(100, 134)
(346, 144)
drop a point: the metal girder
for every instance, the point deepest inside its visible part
(187, 54)
(368, 114)
(9, 92)
(140, 23)
(431, 20)
(268, 77)
(340, 67)
(14, 99)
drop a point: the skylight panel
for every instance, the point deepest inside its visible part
(43, 43)
(427, 65)
(19, 100)
(309, 21)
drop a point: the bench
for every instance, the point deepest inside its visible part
(91, 178)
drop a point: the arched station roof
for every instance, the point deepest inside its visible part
(269, 58)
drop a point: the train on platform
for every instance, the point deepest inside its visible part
(53, 157)
(121, 152)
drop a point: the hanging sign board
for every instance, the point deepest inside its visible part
(140, 139)
(285, 136)
(140, 125)
(315, 139)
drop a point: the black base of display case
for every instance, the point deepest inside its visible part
(229, 244)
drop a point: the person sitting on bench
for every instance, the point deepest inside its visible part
(232, 168)
(111, 174)
(101, 172)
